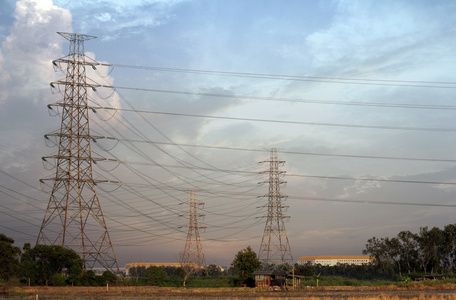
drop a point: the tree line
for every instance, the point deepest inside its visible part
(44, 265)
(239, 273)
(59, 266)
(429, 251)
(177, 276)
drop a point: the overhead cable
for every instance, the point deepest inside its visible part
(286, 152)
(407, 128)
(326, 79)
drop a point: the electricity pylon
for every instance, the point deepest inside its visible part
(73, 218)
(275, 247)
(193, 251)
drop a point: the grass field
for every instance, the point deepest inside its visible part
(412, 291)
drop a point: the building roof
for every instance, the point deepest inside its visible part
(319, 257)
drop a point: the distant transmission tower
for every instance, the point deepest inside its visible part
(275, 248)
(73, 218)
(193, 251)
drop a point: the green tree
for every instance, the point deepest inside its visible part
(9, 258)
(156, 276)
(75, 274)
(304, 270)
(58, 280)
(393, 252)
(42, 262)
(138, 271)
(213, 271)
(377, 248)
(109, 277)
(408, 250)
(178, 272)
(89, 278)
(448, 248)
(429, 242)
(431, 250)
(244, 264)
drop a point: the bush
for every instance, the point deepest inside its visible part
(58, 280)
(156, 276)
(109, 277)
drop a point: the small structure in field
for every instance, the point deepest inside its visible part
(269, 278)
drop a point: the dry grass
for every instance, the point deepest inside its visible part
(395, 297)
(377, 297)
(418, 292)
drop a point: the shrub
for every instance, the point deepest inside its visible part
(58, 280)
(156, 276)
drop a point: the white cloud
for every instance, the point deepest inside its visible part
(26, 70)
(29, 49)
(366, 30)
(111, 17)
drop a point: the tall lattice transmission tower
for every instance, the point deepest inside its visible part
(73, 218)
(193, 251)
(275, 247)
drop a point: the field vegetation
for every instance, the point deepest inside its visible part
(399, 262)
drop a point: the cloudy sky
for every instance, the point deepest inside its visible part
(358, 96)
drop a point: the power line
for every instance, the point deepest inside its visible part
(353, 103)
(298, 175)
(18, 231)
(326, 79)
(293, 100)
(371, 202)
(284, 151)
(144, 137)
(373, 179)
(21, 200)
(279, 121)
(162, 134)
(21, 181)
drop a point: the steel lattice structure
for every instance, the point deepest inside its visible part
(275, 247)
(193, 251)
(73, 218)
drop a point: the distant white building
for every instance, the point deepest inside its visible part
(332, 260)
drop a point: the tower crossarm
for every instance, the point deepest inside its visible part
(67, 135)
(80, 84)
